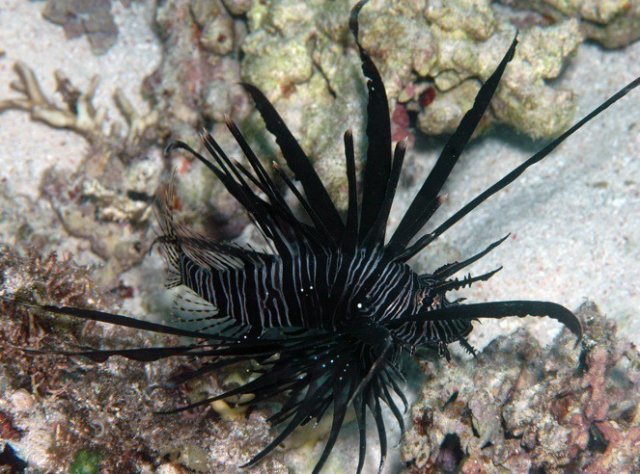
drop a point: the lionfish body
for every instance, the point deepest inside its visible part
(327, 313)
(315, 288)
(318, 287)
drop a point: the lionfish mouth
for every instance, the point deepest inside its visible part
(325, 314)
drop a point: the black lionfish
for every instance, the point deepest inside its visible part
(327, 314)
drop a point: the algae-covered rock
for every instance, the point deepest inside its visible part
(469, 39)
(294, 63)
(295, 53)
(444, 113)
(86, 462)
(238, 7)
(473, 17)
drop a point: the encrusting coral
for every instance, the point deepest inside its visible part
(448, 46)
(521, 407)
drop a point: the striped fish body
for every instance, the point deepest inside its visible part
(318, 288)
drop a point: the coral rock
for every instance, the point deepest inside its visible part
(521, 407)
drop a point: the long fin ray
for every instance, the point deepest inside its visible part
(424, 204)
(350, 237)
(297, 161)
(376, 233)
(452, 268)
(499, 310)
(378, 165)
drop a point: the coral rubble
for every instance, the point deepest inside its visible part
(63, 414)
(448, 46)
(521, 407)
